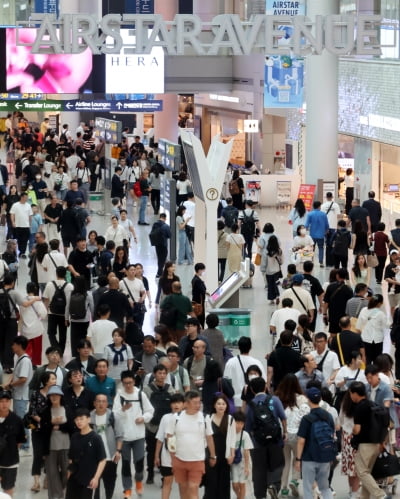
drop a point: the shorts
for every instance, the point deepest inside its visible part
(237, 472)
(67, 240)
(394, 299)
(188, 471)
(8, 478)
(166, 471)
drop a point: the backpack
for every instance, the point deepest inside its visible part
(323, 448)
(59, 301)
(266, 427)
(379, 423)
(64, 136)
(341, 242)
(234, 187)
(5, 309)
(156, 235)
(230, 216)
(137, 190)
(77, 306)
(168, 316)
(248, 226)
(161, 401)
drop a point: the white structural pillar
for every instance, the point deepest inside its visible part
(209, 173)
(166, 122)
(322, 105)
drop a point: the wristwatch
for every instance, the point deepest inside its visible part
(213, 457)
(298, 458)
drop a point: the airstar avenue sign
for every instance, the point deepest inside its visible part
(340, 35)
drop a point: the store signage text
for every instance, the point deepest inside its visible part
(339, 35)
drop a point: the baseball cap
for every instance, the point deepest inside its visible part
(297, 279)
(5, 394)
(314, 395)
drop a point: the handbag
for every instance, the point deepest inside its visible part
(197, 308)
(372, 260)
(385, 465)
(257, 259)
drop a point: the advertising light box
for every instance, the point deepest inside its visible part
(132, 73)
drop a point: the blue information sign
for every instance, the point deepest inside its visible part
(47, 7)
(139, 6)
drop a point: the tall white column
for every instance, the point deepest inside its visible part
(322, 105)
(166, 122)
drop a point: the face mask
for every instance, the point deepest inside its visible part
(38, 177)
(252, 376)
(303, 232)
(30, 188)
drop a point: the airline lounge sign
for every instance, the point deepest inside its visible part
(339, 35)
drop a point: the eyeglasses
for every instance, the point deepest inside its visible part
(127, 382)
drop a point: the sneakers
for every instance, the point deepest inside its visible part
(294, 487)
(139, 488)
(150, 479)
(272, 492)
(285, 492)
(127, 493)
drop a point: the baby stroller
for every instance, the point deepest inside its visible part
(385, 468)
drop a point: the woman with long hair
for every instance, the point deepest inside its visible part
(37, 404)
(184, 247)
(214, 382)
(296, 406)
(163, 337)
(37, 269)
(11, 258)
(305, 334)
(234, 242)
(346, 418)
(7, 201)
(273, 269)
(373, 322)
(360, 272)
(120, 262)
(297, 215)
(236, 190)
(199, 291)
(165, 282)
(79, 300)
(217, 478)
(381, 246)
(359, 239)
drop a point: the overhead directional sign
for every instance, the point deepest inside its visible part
(147, 106)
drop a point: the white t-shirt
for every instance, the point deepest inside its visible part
(190, 431)
(59, 261)
(331, 362)
(279, 317)
(161, 435)
(23, 369)
(50, 289)
(334, 211)
(234, 372)
(190, 212)
(303, 295)
(32, 325)
(22, 212)
(101, 424)
(100, 334)
(136, 287)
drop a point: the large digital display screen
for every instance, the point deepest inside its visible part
(132, 73)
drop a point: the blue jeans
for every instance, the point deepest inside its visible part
(320, 243)
(185, 249)
(20, 409)
(316, 472)
(142, 209)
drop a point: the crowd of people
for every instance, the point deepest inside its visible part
(154, 399)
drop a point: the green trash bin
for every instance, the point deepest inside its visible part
(234, 323)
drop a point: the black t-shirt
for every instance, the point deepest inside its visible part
(313, 286)
(284, 360)
(362, 416)
(85, 452)
(391, 274)
(349, 342)
(80, 260)
(358, 213)
(53, 211)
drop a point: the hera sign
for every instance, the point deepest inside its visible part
(339, 35)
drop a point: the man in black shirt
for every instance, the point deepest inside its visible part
(367, 451)
(283, 360)
(52, 214)
(313, 286)
(359, 213)
(374, 209)
(335, 299)
(118, 303)
(12, 431)
(80, 261)
(87, 459)
(349, 342)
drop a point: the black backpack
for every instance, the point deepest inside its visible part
(161, 401)
(341, 242)
(5, 309)
(77, 306)
(230, 216)
(59, 301)
(156, 235)
(248, 226)
(379, 423)
(266, 427)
